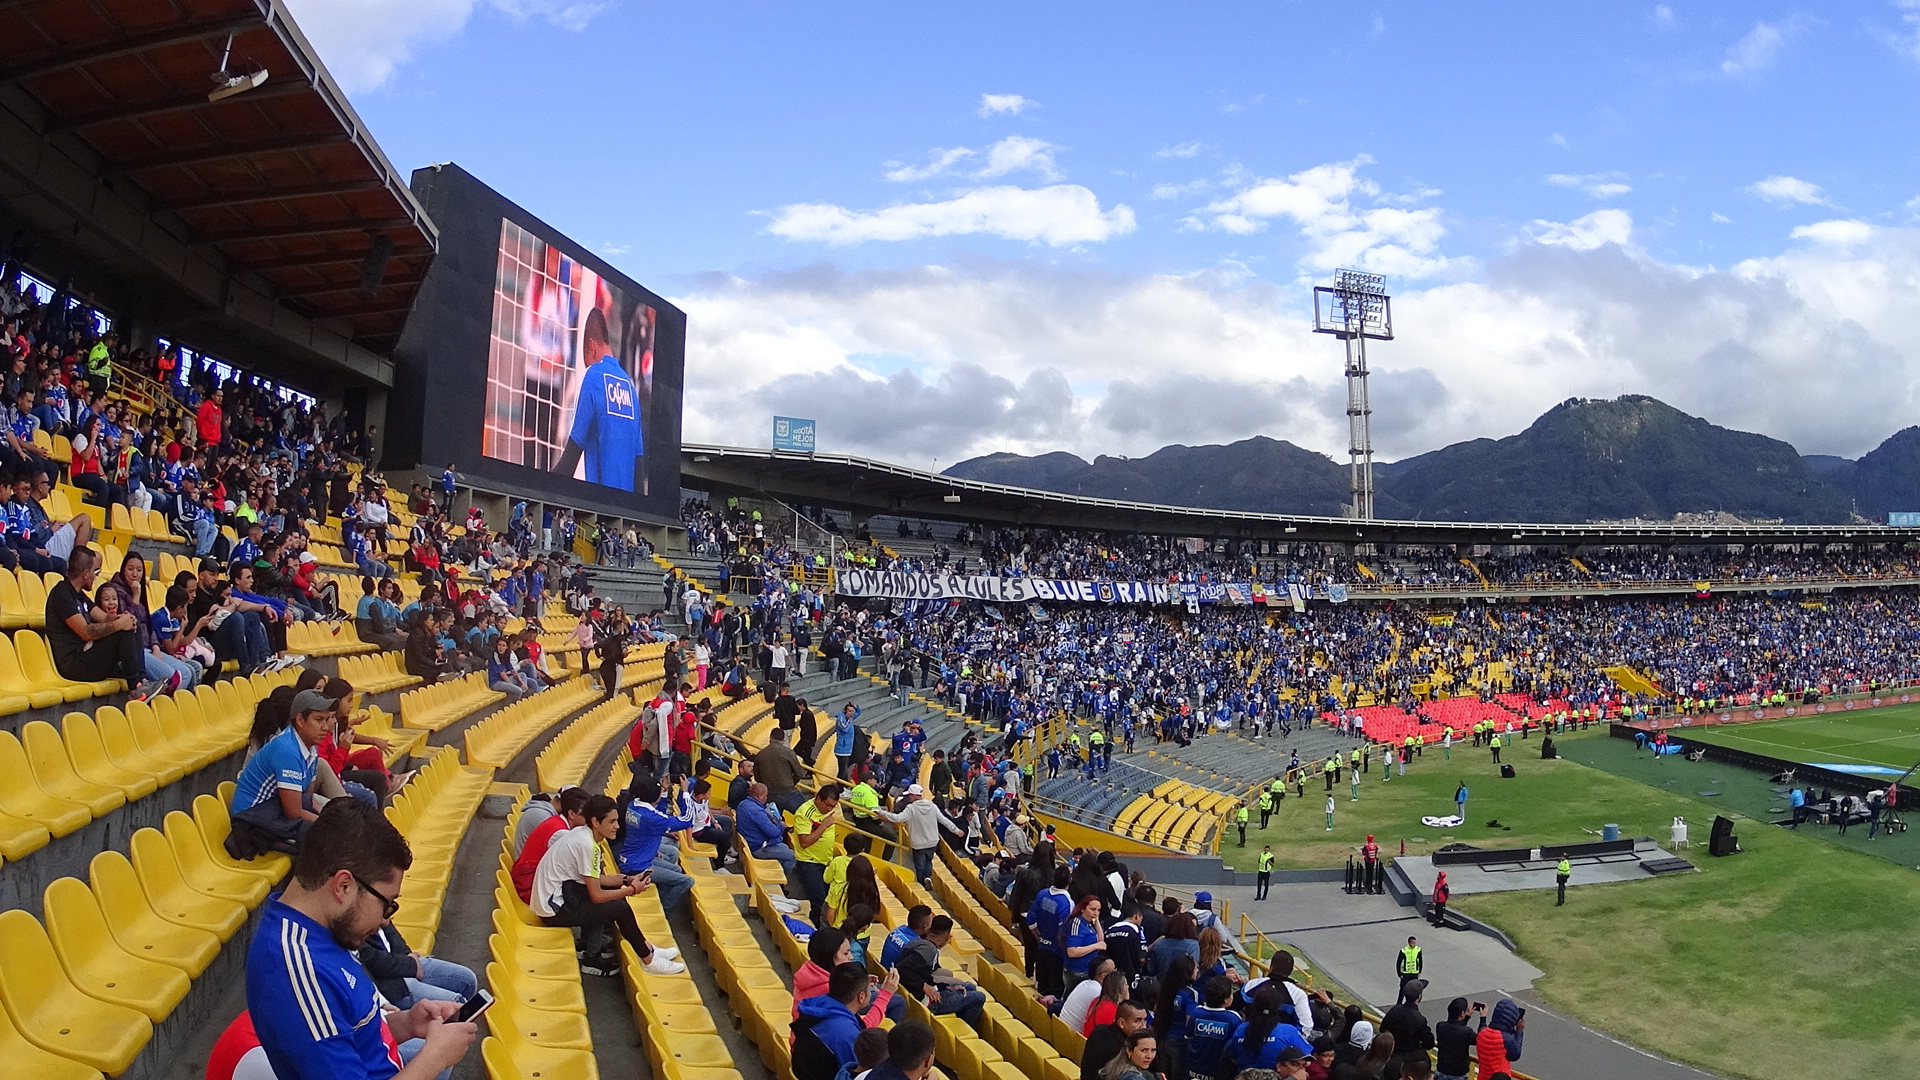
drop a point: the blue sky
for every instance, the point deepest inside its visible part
(951, 229)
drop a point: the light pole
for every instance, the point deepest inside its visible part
(1355, 308)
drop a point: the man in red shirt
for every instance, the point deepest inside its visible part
(573, 805)
(208, 421)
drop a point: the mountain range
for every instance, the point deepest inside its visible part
(1582, 460)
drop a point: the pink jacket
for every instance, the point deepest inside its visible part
(811, 981)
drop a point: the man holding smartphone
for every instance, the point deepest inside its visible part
(313, 1006)
(571, 888)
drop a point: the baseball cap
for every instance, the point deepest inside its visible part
(307, 701)
(1290, 1054)
(916, 789)
(1413, 989)
(1202, 897)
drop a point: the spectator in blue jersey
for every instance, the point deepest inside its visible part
(273, 798)
(315, 1009)
(1047, 918)
(1258, 1042)
(449, 481)
(1208, 1027)
(606, 416)
(646, 825)
(845, 727)
(758, 822)
(919, 917)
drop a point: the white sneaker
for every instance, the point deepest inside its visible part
(665, 952)
(659, 966)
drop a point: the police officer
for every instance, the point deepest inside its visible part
(1494, 741)
(1560, 875)
(1332, 772)
(1266, 810)
(1240, 819)
(1263, 878)
(1356, 760)
(1408, 962)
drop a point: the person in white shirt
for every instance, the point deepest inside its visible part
(571, 888)
(777, 669)
(1084, 994)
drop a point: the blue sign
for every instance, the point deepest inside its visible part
(790, 433)
(1903, 521)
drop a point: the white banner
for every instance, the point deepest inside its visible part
(998, 590)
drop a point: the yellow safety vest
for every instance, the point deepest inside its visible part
(1410, 960)
(1266, 861)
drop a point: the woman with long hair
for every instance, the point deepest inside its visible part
(1082, 937)
(1212, 960)
(1135, 1059)
(863, 887)
(1170, 1015)
(1113, 990)
(1372, 1064)
(1257, 1042)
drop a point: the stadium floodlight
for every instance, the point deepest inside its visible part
(1356, 309)
(226, 84)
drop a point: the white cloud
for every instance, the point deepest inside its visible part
(1607, 226)
(1320, 201)
(1758, 50)
(1016, 153)
(1059, 214)
(938, 162)
(1663, 17)
(1602, 186)
(1721, 219)
(1907, 42)
(1181, 150)
(1842, 233)
(1061, 357)
(1012, 104)
(1788, 190)
(362, 42)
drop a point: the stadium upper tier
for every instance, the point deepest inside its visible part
(868, 487)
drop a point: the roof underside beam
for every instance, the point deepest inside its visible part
(126, 45)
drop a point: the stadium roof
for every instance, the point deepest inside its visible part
(263, 207)
(876, 487)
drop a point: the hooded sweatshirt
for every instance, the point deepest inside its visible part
(835, 1027)
(1499, 1043)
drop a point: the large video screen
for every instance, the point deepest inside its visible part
(569, 368)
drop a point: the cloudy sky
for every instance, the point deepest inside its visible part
(946, 230)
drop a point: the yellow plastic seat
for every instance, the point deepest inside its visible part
(152, 741)
(545, 994)
(558, 1030)
(89, 756)
(13, 607)
(211, 818)
(135, 925)
(169, 894)
(37, 662)
(20, 837)
(55, 775)
(14, 677)
(193, 746)
(25, 1059)
(197, 865)
(527, 1061)
(96, 963)
(23, 797)
(55, 1015)
(121, 746)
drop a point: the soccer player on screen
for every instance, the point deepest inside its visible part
(606, 416)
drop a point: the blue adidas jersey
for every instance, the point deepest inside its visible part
(313, 1006)
(606, 424)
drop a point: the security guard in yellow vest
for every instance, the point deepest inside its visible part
(1560, 875)
(1263, 877)
(1408, 962)
(1494, 741)
(1332, 771)
(1266, 811)
(1356, 760)
(1240, 819)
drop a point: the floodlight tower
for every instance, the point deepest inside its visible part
(1356, 308)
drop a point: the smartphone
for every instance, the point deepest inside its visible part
(474, 1006)
(1479, 1006)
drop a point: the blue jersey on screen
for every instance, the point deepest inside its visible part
(606, 424)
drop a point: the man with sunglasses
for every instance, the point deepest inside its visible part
(314, 1008)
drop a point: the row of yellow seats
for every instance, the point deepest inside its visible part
(116, 955)
(375, 673)
(142, 524)
(537, 1027)
(498, 739)
(402, 743)
(28, 679)
(432, 812)
(756, 993)
(315, 638)
(439, 705)
(567, 757)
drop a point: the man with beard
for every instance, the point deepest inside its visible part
(313, 1006)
